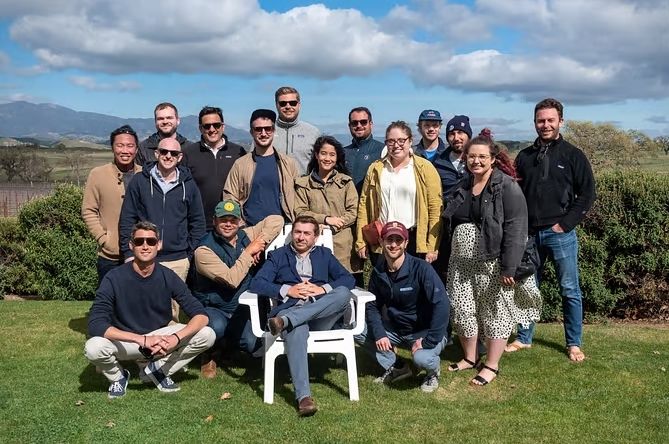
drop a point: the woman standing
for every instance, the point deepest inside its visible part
(487, 214)
(328, 194)
(405, 188)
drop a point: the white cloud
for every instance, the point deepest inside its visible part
(91, 84)
(585, 52)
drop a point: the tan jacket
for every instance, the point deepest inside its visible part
(428, 204)
(238, 184)
(212, 267)
(101, 207)
(337, 197)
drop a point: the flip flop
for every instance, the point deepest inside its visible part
(479, 381)
(454, 367)
(515, 346)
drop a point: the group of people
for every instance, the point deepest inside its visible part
(184, 226)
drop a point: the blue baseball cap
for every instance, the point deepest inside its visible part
(430, 114)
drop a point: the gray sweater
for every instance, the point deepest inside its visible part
(296, 139)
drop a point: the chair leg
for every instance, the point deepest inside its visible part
(268, 392)
(352, 370)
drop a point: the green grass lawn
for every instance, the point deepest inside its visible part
(619, 394)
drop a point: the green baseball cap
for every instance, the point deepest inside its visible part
(228, 208)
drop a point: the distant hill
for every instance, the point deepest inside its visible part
(71, 143)
(49, 122)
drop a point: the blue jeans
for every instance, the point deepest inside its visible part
(319, 315)
(235, 327)
(425, 358)
(563, 248)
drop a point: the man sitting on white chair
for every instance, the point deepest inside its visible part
(313, 290)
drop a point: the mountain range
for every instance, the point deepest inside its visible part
(49, 122)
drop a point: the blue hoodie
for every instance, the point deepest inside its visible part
(178, 214)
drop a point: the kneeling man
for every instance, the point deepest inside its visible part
(130, 316)
(313, 290)
(411, 311)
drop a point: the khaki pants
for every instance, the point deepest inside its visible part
(180, 267)
(106, 354)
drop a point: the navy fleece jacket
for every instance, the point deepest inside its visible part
(178, 213)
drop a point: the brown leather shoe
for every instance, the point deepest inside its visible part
(208, 369)
(275, 325)
(307, 407)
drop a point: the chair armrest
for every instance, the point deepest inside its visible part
(362, 297)
(251, 299)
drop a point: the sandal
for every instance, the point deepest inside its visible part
(479, 381)
(455, 368)
(515, 346)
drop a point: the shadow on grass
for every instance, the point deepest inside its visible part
(80, 325)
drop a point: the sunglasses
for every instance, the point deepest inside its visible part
(165, 152)
(283, 103)
(260, 129)
(139, 241)
(354, 123)
(216, 125)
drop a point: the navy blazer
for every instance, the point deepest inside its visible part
(281, 268)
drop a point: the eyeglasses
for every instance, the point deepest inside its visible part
(139, 241)
(354, 123)
(260, 129)
(216, 125)
(283, 103)
(165, 152)
(400, 142)
(481, 157)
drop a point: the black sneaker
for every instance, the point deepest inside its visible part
(394, 374)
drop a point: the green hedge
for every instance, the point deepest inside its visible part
(624, 250)
(47, 250)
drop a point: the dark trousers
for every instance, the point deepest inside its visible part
(104, 266)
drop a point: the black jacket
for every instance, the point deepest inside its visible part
(442, 162)
(209, 173)
(504, 219)
(558, 189)
(145, 152)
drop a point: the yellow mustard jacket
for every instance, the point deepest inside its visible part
(428, 204)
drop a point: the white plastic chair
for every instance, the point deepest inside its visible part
(330, 341)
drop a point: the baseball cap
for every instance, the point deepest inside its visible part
(395, 228)
(430, 114)
(228, 208)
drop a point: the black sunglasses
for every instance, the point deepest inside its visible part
(173, 153)
(216, 125)
(354, 123)
(260, 129)
(139, 241)
(283, 103)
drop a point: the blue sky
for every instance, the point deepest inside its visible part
(608, 61)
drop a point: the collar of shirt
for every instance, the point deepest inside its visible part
(389, 166)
